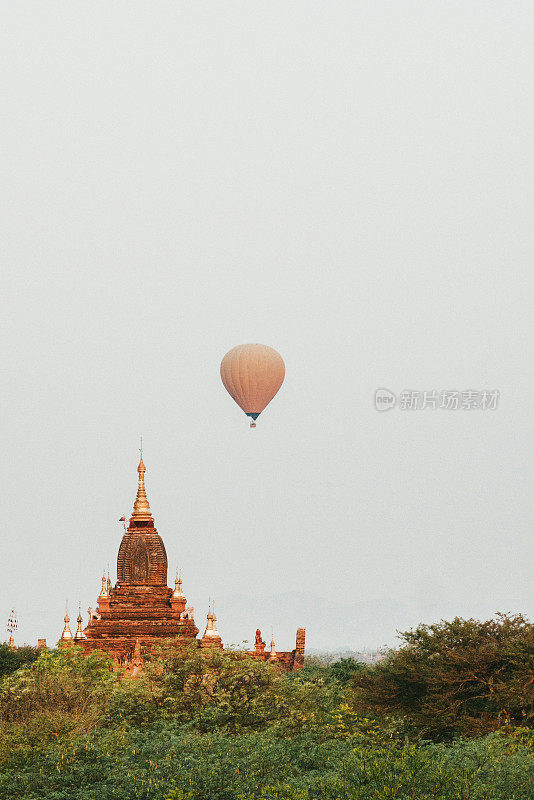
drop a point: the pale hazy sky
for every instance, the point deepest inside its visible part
(348, 182)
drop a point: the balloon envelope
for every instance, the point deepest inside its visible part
(252, 374)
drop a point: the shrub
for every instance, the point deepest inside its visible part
(12, 660)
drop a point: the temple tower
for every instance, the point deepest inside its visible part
(141, 609)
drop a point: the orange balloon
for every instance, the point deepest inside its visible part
(252, 374)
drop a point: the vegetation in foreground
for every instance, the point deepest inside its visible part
(448, 716)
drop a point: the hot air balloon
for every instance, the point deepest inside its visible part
(252, 375)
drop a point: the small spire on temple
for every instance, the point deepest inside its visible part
(272, 653)
(141, 510)
(66, 635)
(104, 591)
(79, 633)
(211, 631)
(178, 587)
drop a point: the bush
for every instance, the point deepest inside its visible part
(60, 692)
(12, 660)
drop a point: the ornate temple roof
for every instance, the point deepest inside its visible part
(142, 559)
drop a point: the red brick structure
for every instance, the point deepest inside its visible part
(141, 610)
(291, 661)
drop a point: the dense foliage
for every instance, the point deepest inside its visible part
(11, 660)
(201, 725)
(463, 676)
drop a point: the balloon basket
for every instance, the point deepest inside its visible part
(252, 424)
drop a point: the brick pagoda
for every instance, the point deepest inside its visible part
(141, 610)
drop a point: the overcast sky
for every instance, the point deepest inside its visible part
(348, 182)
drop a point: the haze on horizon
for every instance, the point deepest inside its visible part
(350, 183)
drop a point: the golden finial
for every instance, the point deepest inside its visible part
(79, 633)
(211, 628)
(141, 507)
(104, 590)
(272, 654)
(178, 591)
(66, 630)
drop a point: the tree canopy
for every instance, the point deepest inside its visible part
(13, 659)
(209, 725)
(463, 676)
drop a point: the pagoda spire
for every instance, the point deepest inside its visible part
(272, 653)
(79, 633)
(141, 509)
(66, 635)
(211, 634)
(104, 592)
(178, 591)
